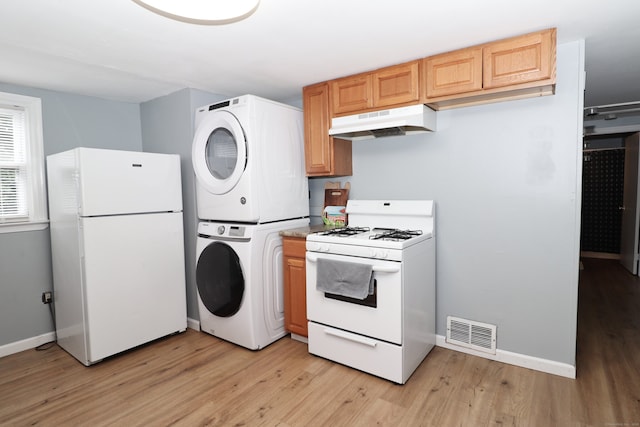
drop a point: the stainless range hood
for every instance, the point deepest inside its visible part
(377, 124)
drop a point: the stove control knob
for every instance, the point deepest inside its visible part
(317, 247)
(379, 254)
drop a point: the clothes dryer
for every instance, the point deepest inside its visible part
(239, 276)
(248, 158)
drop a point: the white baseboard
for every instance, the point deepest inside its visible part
(26, 344)
(29, 343)
(299, 338)
(517, 359)
(193, 324)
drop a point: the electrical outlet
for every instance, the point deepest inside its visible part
(46, 297)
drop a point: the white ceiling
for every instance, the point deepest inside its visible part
(118, 50)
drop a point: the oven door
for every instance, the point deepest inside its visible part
(379, 316)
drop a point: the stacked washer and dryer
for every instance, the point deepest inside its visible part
(248, 158)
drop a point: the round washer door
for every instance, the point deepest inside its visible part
(220, 280)
(219, 152)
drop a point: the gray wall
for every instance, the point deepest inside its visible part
(168, 127)
(69, 121)
(506, 179)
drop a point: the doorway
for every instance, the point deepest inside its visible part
(609, 223)
(602, 194)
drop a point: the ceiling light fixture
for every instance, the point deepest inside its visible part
(204, 12)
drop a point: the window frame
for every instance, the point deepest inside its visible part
(36, 191)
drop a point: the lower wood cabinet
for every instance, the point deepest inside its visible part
(295, 289)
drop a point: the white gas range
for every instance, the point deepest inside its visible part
(371, 288)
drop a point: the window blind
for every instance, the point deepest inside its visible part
(13, 165)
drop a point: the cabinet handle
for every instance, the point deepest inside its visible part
(351, 337)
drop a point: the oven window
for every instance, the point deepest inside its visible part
(369, 301)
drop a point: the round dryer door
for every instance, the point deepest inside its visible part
(220, 280)
(219, 152)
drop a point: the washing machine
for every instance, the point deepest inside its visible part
(248, 158)
(239, 276)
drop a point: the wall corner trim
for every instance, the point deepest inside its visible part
(193, 324)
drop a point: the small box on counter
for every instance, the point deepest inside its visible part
(334, 215)
(335, 203)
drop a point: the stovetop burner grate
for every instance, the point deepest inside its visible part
(345, 231)
(395, 235)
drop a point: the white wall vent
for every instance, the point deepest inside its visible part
(470, 334)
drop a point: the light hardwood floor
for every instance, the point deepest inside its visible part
(195, 379)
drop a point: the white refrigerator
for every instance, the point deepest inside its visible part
(117, 248)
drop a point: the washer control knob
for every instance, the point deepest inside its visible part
(243, 201)
(221, 229)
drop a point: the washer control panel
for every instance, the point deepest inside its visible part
(220, 231)
(236, 231)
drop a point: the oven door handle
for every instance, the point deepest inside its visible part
(351, 337)
(375, 268)
(381, 269)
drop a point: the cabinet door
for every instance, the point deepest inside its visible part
(317, 142)
(396, 85)
(295, 289)
(454, 72)
(323, 154)
(296, 311)
(352, 93)
(519, 59)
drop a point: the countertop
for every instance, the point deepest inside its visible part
(302, 232)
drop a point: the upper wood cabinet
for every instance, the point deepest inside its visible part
(324, 155)
(390, 86)
(396, 85)
(521, 59)
(354, 93)
(513, 68)
(518, 67)
(454, 72)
